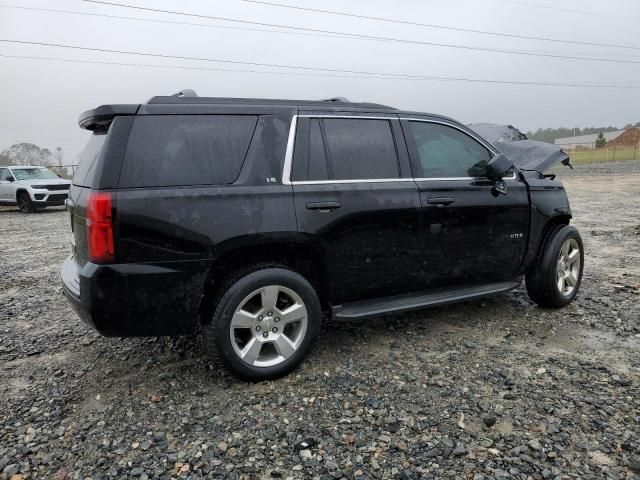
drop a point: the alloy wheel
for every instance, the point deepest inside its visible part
(568, 267)
(269, 326)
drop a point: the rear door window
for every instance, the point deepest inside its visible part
(310, 159)
(173, 150)
(360, 149)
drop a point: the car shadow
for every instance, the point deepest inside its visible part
(149, 362)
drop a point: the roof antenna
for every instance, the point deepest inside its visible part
(336, 99)
(187, 92)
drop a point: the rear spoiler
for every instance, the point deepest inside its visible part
(100, 118)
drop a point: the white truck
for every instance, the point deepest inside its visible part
(32, 188)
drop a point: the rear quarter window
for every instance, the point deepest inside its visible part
(174, 150)
(88, 159)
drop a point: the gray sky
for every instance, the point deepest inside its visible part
(42, 98)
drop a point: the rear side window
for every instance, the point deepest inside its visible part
(171, 150)
(361, 149)
(87, 160)
(445, 152)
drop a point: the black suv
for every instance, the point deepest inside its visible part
(252, 218)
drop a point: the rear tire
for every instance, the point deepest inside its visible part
(554, 279)
(25, 204)
(264, 323)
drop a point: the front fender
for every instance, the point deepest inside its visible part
(549, 206)
(22, 188)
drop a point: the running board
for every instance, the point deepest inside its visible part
(413, 301)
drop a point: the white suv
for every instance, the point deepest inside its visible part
(31, 188)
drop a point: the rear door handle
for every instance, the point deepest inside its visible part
(440, 200)
(323, 206)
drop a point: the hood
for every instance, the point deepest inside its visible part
(45, 181)
(525, 154)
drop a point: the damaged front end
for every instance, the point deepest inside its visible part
(525, 154)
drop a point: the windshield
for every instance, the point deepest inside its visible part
(40, 173)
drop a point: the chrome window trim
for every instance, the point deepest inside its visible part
(288, 157)
(513, 176)
(477, 138)
(366, 180)
(364, 117)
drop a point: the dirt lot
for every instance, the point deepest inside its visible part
(489, 389)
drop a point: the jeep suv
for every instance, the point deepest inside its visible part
(32, 188)
(252, 219)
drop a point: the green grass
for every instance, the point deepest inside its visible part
(603, 155)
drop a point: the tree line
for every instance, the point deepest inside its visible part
(550, 134)
(29, 154)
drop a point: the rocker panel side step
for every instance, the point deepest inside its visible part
(413, 301)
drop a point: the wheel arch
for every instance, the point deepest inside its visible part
(541, 236)
(306, 259)
(21, 190)
(552, 224)
(544, 275)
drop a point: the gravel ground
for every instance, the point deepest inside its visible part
(496, 388)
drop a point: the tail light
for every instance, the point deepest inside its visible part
(100, 228)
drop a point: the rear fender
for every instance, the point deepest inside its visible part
(302, 257)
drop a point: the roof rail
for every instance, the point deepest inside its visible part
(187, 92)
(337, 99)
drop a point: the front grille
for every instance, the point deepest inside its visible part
(39, 196)
(56, 187)
(57, 197)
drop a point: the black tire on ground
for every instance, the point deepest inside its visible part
(544, 279)
(24, 203)
(217, 333)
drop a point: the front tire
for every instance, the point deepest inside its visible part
(25, 204)
(264, 324)
(554, 279)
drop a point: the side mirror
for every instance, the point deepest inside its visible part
(10, 179)
(498, 167)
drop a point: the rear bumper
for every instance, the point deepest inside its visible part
(125, 300)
